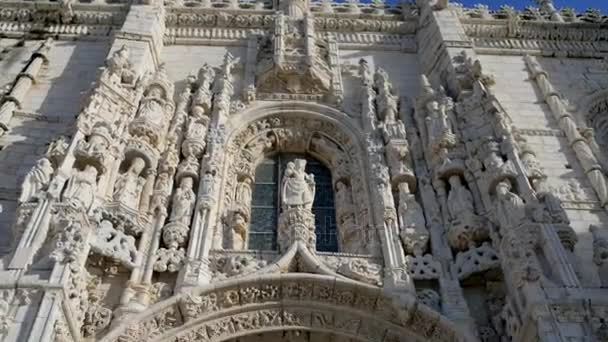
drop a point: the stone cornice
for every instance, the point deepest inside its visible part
(18, 18)
(239, 19)
(541, 38)
(540, 30)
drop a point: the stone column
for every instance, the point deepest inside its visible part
(585, 155)
(23, 84)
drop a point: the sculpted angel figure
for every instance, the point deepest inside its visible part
(129, 185)
(81, 188)
(183, 202)
(36, 180)
(298, 186)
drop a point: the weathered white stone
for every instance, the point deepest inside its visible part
(468, 178)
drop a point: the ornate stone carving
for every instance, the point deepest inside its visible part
(422, 267)
(129, 185)
(81, 188)
(156, 107)
(362, 270)
(387, 102)
(95, 150)
(412, 224)
(298, 186)
(465, 227)
(118, 68)
(96, 317)
(294, 59)
(230, 266)
(476, 259)
(296, 224)
(36, 181)
(183, 203)
(57, 150)
(115, 244)
(509, 208)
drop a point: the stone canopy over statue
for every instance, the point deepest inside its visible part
(298, 187)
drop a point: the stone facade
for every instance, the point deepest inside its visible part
(166, 169)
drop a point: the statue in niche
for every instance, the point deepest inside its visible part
(243, 192)
(412, 224)
(36, 180)
(386, 101)
(239, 230)
(129, 185)
(460, 201)
(81, 188)
(438, 126)
(298, 186)
(208, 184)
(509, 209)
(201, 102)
(151, 110)
(493, 160)
(183, 202)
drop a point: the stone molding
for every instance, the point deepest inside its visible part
(287, 302)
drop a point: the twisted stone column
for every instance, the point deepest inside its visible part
(588, 160)
(23, 84)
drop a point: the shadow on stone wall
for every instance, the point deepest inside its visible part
(62, 86)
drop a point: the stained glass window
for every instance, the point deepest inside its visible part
(265, 207)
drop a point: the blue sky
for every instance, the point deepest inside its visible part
(579, 5)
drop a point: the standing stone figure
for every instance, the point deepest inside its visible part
(509, 208)
(460, 201)
(81, 188)
(183, 202)
(36, 180)
(243, 192)
(412, 224)
(298, 186)
(129, 185)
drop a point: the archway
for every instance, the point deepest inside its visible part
(286, 302)
(328, 135)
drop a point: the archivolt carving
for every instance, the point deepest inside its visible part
(319, 303)
(301, 132)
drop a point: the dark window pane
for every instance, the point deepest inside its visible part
(266, 173)
(263, 220)
(262, 241)
(325, 229)
(265, 208)
(264, 195)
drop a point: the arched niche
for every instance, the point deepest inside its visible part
(595, 112)
(286, 302)
(327, 135)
